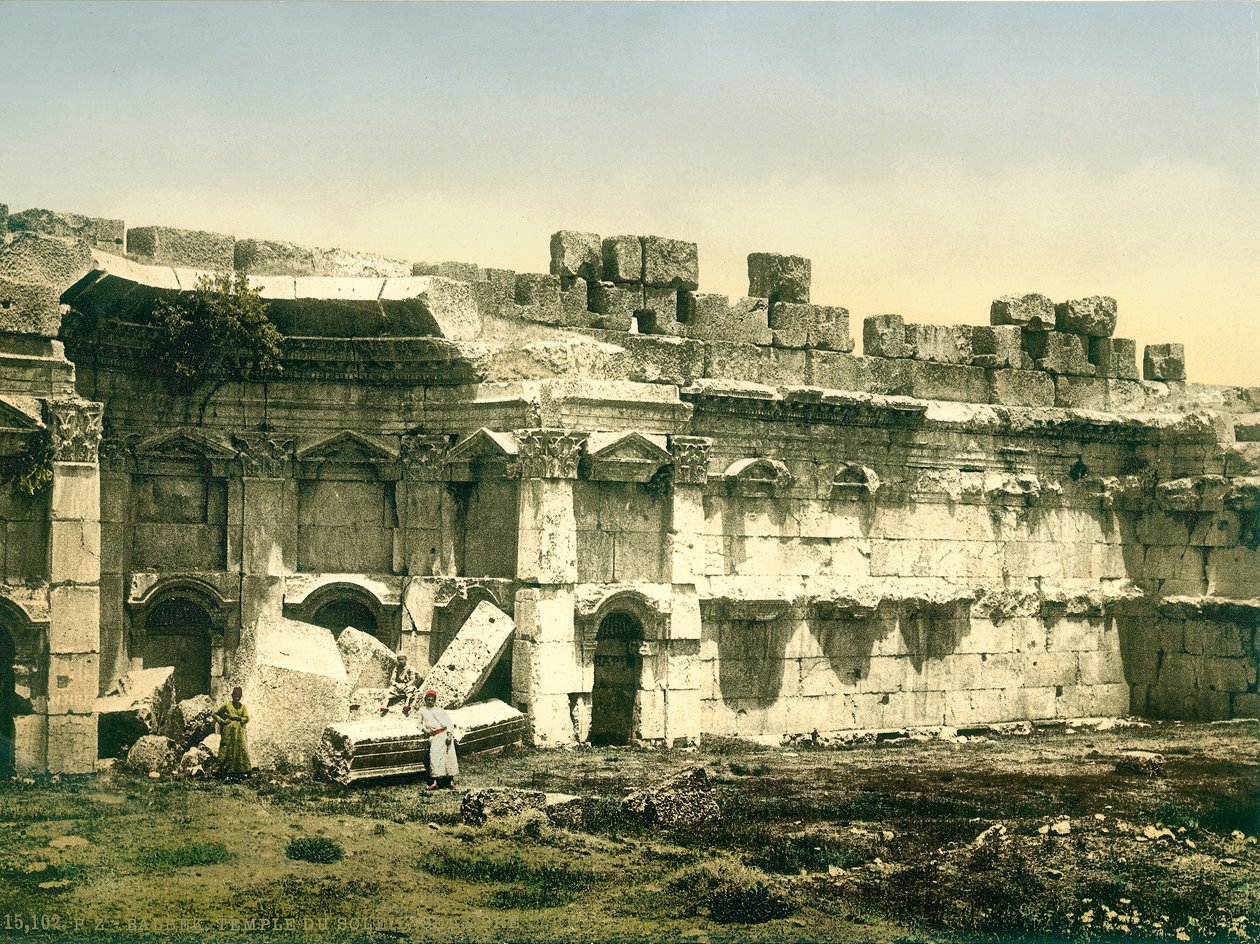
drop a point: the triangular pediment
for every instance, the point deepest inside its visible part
(349, 447)
(14, 418)
(483, 444)
(626, 447)
(185, 444)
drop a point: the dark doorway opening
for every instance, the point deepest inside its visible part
(8, 703)
(618, 673)
(177, 633)
(340, 614)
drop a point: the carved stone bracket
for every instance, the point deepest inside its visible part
(422, 457)
(263, 457)
(549, 453)
(75, 426)
(691, 459)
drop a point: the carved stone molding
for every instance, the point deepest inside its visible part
(758, 478)
(422, 457)
(75, 426)
(549, 453)
(691, 459)
(263, 457)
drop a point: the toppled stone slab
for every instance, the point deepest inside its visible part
(1032, 311)
(153, 753)
(885, 336)
(812, 326)
(368, 661)
(44, 260)
(1094, 317)
(194, 249)
(671, 263)
(577, 255)
(276, 257)
(29, 309)
(467, 662)
(190, 721)
(683, 800)
(623, 258)
(779, 278)
(137, 706)
(105, 233)
(1164, 362)
(496, 802)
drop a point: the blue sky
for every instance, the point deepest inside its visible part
(927, 157)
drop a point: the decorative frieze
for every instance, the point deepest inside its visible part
(691, 459)
(549, 453)
(75, 426)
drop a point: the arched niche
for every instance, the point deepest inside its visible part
(339, 605)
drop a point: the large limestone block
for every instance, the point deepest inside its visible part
(468, 660)
(715, 318)
(194, 249)
(816, 326)
(1032, 311)
(190, 721)
(1114, 357)
(952, 382)
(265, 257)
(623, 258)
(45, 260)
(885, 336)
(449, 304)
(1059, 353)
(778, 277)
(670, 263)
(1094, 317)
(75, 623)
(71, 743)
(659, 312)
(944, 344)
(577, 255)
(73, 682)
(153, 753)
(1080, 393)
(368, 661)
(27, 308)
(294, 686)
(459, 271)
(1164, 362)
(997, 346)
(105, 233)
(614, 304)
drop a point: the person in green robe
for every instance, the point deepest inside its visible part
(232, 717)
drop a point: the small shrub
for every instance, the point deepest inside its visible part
(31, 471)
(732, 893)
(315, 849)
(788, 855)
(185, 854)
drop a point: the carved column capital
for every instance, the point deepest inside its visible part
(116, 455)
(691, 459)
(548, 453)
(422, 457)
(264, 457)
(75, 428)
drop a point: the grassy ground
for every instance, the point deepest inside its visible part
(1031, 838)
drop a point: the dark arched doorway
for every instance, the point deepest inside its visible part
(177, 633)
(8, 702)
(618, 672)
(340, 614)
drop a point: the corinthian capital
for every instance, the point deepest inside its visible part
(548, 453)
(75, 427)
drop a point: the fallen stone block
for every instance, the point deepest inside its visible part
(623, 259)
(683, 800)
(44, 260)
(1033, 312)
(577, 255)
(197, 761)
(1164, 362)
(998, 346)
(153, 753)
(715, 318)
(810, 326)
(29, 309)
(1114, 357)
(1059, 353)
(779, 278)
(137, 706)
(467, 661)
(478, 806)
(943, 344)
(190, 721)
(103, 233)
(368, 661)
(1093, 317)
(193, 249)
(885, 336)
(670, 263)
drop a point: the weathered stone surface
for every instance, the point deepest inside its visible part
(414, 301)
(885, 336)
(104, 233)
(778, 278)
(1021, 388)
(715, 318)
(1080, 393)
(1058, 353)
(458, 271)
(953, 382)
(478, 806)
(195, 249)
(817, 326)
(1034, 312)
(1196, 493)
(1114, 357)
(944, 344)
(44, 260)
(998, 346)
(153, 753)
(683, 800)
(1094, 317)
(190, 721)
(1141, 763)
(614, 304)
(1164, 362)
(670, 263)
(4, 222)
(29, 309)
(368, 661)
(623, 259)
(575, 254)
(273, 257)
(538, 296)
(466, 663)
(197, 761)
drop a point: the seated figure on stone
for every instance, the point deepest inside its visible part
(403, 684)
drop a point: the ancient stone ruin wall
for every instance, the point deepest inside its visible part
(703, 515)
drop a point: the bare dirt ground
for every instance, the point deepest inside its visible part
(1034, 837)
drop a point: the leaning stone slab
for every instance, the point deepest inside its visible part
(577, 255)
(105, 233)
(670, 263)
(45, 260)
(885, 336)
(812, 326)
(137, 706)
(682, 800)
(194, 249)
(1034, 312)
(368, 661)
(190, 721)
(1094, 317)
(467, 662)
(778, 277)
(29, 309)
(623, 258)
(1164, 362)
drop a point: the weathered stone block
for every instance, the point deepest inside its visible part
(273, 257)
(944, 344)
(1033, 312)
(368, 661)
(575, 304)
(190, 721)
(195, 249)
(658, 313)
(1058, 353)
(715, 318)
(1164, 362)
(670, 263)
(104, 233)
(579, 255)
(1093, 317)
(816, 326)
(930, 381)
(773, 366)
(44, 260)
(779, 278)
(466, 663)
(885, 336)
(623, 259)
(997, 346)
(1080, 393)
(76, 493)
(75, 618)
(541, 293)
(1114, 357)
(1125, 396)
(615, 304)
(27, 308)
(75, 551)
(73, 682)
(72, 743)
(1033, 388)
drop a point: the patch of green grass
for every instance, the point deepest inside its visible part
(185, 854)
(315, 849)
(812, 852)
(732, 893)
(534, 884)
(1174, 814)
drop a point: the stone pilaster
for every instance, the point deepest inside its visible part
(268, 524)
(686, 532)
(116, 466)
(547, 541)
(426, 521)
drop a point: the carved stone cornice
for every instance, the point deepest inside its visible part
(548, 453)
(264, 457)
(75, 427)
(422, 457)
(691, 459)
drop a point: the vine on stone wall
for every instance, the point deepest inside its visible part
(30, 471)
(220, 329)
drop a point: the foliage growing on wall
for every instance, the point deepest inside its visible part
(221, 328)
(30, 471)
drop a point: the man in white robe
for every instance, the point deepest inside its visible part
(437, 724)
